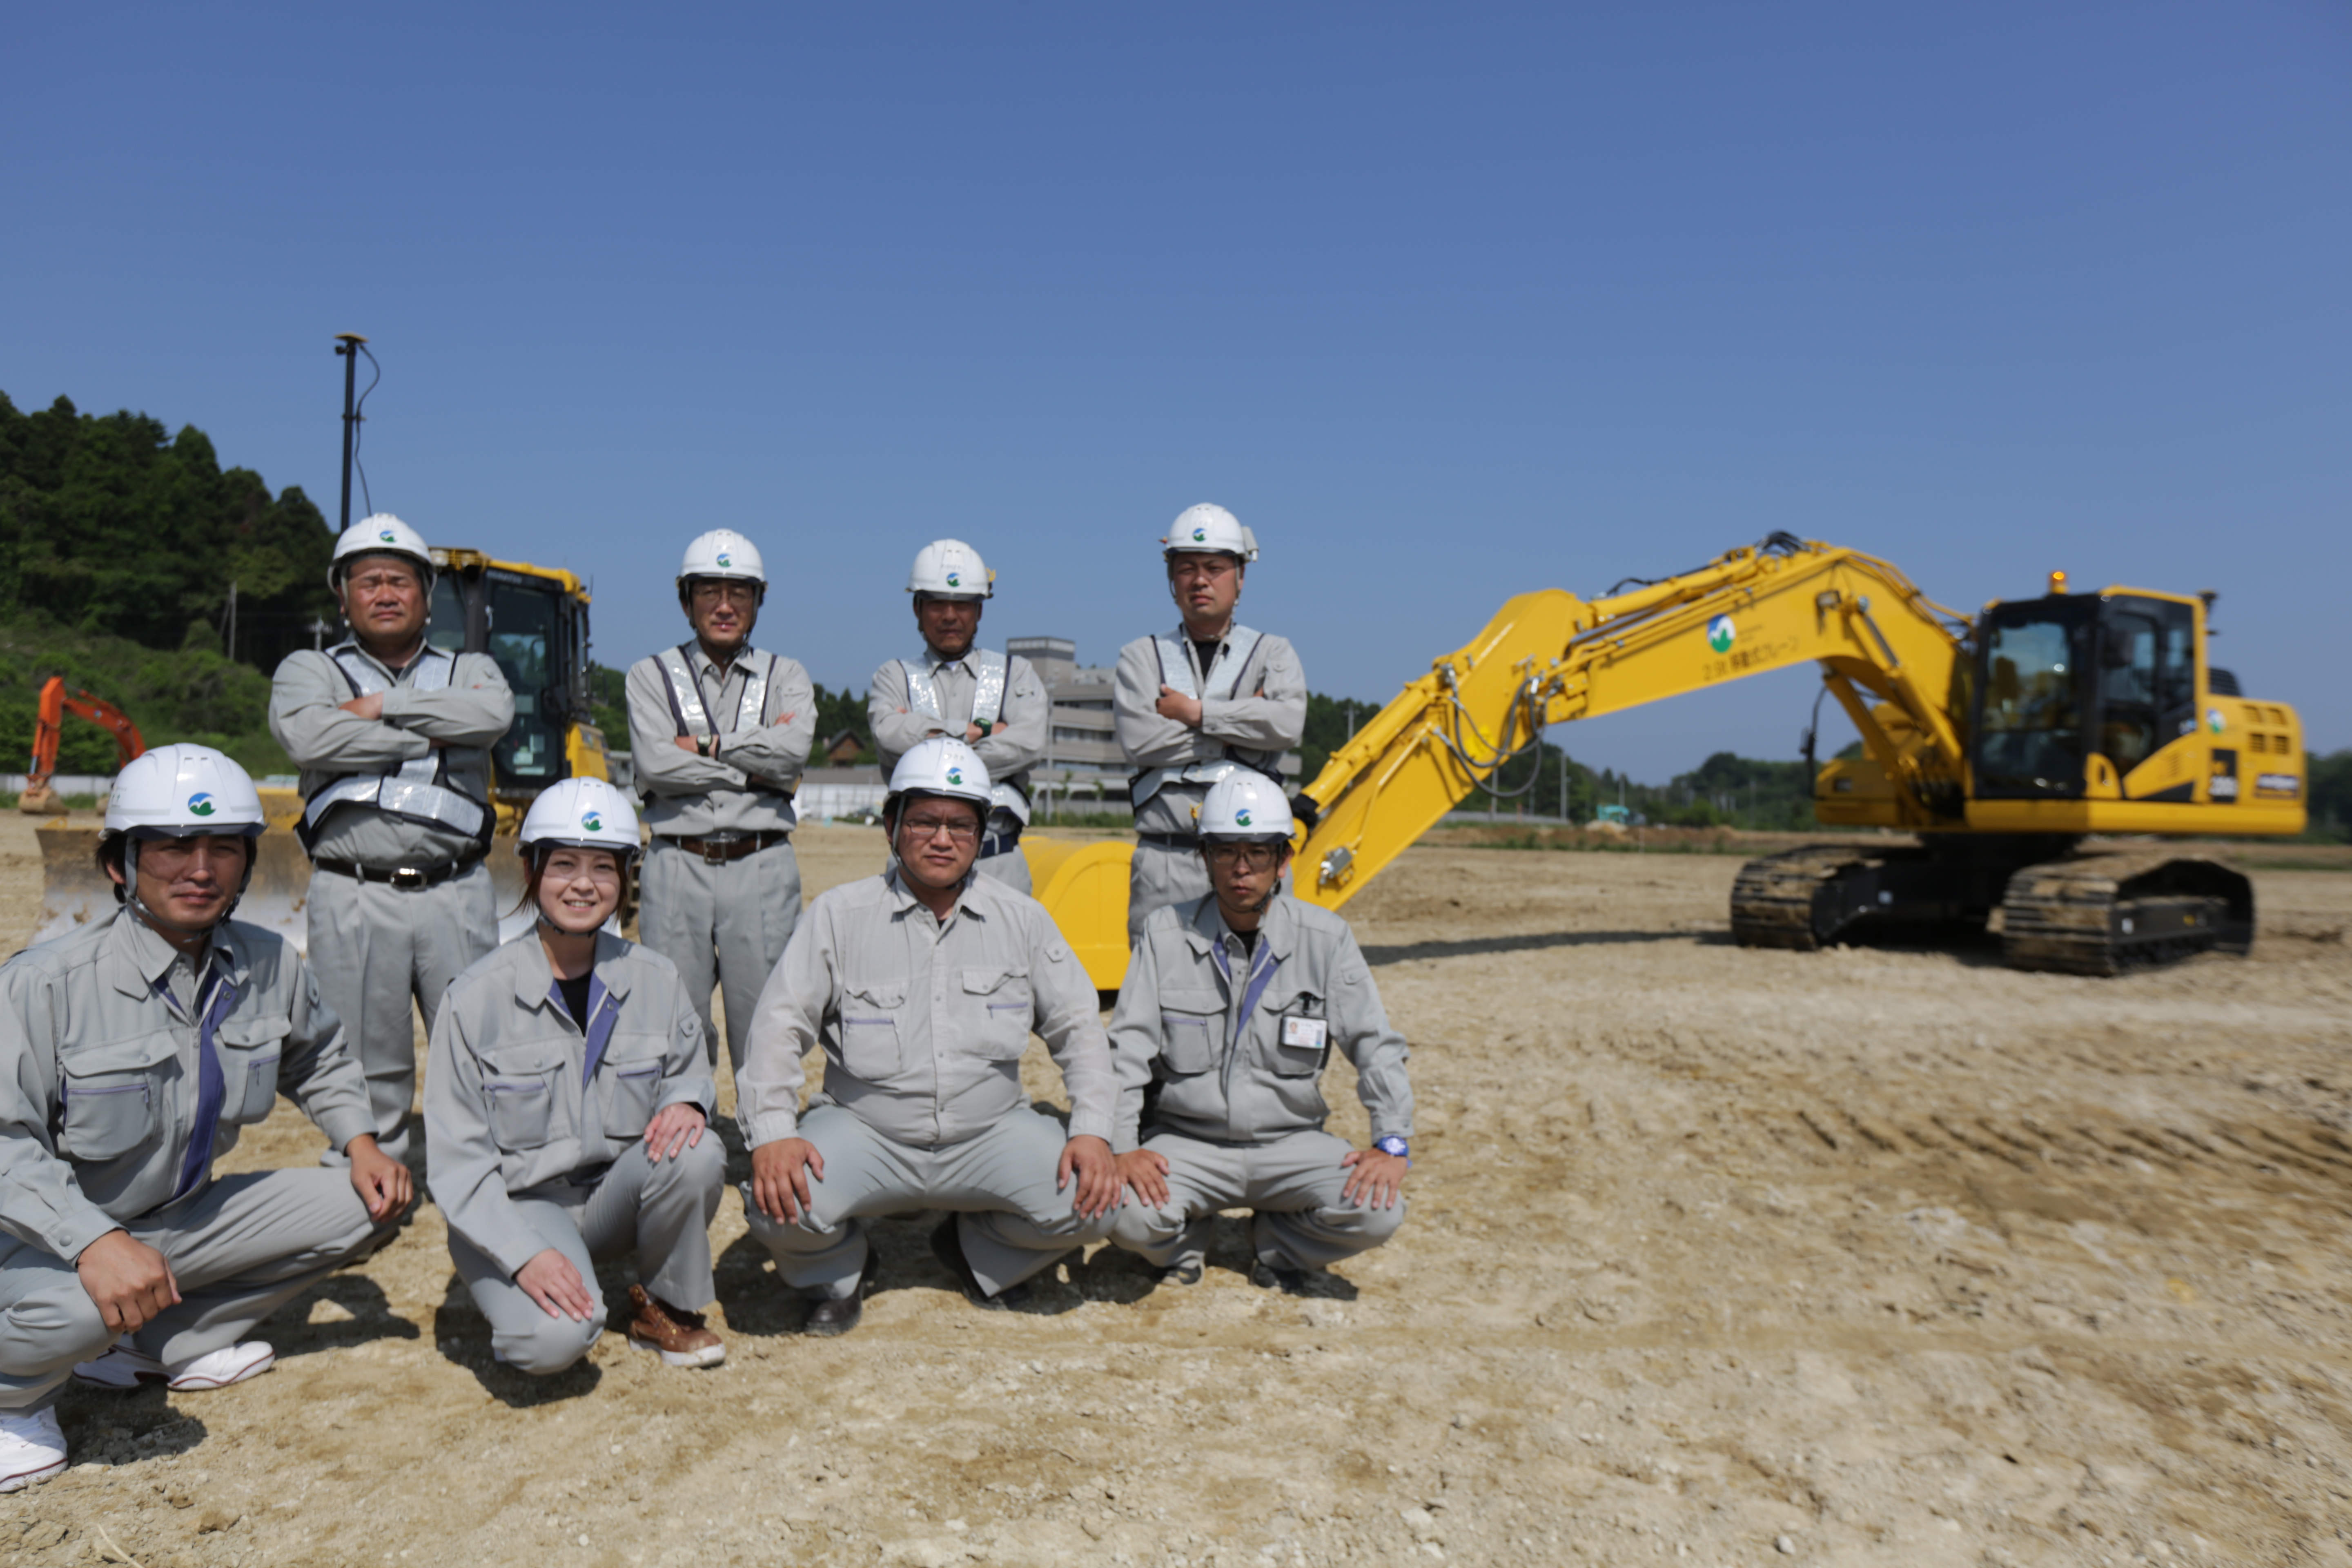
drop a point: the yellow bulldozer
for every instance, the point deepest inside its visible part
(534, 620)
(2040, 753)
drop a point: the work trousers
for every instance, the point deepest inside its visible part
(240, 1248)
(1000, 1184)
(725, 925)
(659, 1209)
(1161, 876)
(373, 947)
(1293, 1184)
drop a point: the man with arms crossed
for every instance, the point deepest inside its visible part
(719, 731)
(132, 1052)
(393, 736)
(1209, 700)
(1232, 1004)
(922, 984)
(991, 700)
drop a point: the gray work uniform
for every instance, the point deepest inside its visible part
(721, 921)
(103, 1113)
(899, 720)
(923, 1027)
(538, 1136)
(376, 943)
(1230, 1047)
(1253, 709)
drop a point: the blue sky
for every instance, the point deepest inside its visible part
(1447, 303)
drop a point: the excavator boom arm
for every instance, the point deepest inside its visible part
(1550, 657)
(48, 727)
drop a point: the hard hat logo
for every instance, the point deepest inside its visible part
(1199, 536)
(1241, 818)
(955, 775)
(200, 803)
(955, 580)
(593, 823)
(386, 536)
(725, 558)
(1720, 633)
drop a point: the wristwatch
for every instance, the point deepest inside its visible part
(1392, 1144)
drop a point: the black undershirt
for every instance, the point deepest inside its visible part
(1249, 943)
(575, 998)
(1206, 652)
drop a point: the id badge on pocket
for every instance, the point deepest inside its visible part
(1306, 1034)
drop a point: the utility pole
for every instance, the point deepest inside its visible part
(231, 641)
(318, 630)
(347, 347)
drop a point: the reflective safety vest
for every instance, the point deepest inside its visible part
(416, 791)
(693, 715)
(990, 670)
(1225, 679)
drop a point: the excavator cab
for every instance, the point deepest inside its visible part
(2077, 687)
(534, 623)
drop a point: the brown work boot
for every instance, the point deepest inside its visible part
(677, 1334)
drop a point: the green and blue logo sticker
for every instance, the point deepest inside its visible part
(200, 803)
(1241, 818)
(725, 558)
(593, 823)
(1200, 536)
(387, 536)
(954, 581)
(1720, 634)
(955, 775)
(2214, 722)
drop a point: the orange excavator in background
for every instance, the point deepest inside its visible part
(38, 799)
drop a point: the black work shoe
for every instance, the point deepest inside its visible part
(1278, 1276)
(948, 1248)
(832, 1315)
(1177, 1274)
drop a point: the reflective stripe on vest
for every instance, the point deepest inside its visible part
(1231, 669)
(416, 791)
(685, 692)
(989, 673)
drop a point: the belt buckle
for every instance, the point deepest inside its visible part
(407, 878)
(715, 854)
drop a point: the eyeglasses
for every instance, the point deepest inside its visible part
(1250, 856)
(733, 593)
(1213, 568)
(957, 832)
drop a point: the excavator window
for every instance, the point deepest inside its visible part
(2028, 729)
(2147, 678)
(525, 638)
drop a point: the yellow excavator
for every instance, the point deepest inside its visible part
(534, 620)
(2003, 744)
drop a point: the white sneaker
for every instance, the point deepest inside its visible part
(218, 1369)
(32, 1448)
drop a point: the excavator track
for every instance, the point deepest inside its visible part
(2105, 912)
(1772, 900)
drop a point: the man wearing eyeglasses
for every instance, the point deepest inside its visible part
(1232, 1006)
(923, 986)
(1212, 700)
(719, 731)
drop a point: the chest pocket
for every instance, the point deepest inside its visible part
(870, 1028)
(1003, 1006)
(113, 1095)
(520, 1085)
(630, 1075)
(250, 1050)
(1192, 1026)
(1302, 1036)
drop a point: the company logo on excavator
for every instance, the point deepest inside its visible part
(1720, 633)
(200, 805)
(2214, 722)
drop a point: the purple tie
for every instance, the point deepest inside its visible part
(211, 1087)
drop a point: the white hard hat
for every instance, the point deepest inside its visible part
(721, 552)
(940, 764)
(1207, 529)
(382, 535)
(580, 813)
(175, 792)
(1245, 808)
(950, 569)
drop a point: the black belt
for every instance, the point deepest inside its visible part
(1000, 843)
(718, 851)
(1169, 840)
(407, 878)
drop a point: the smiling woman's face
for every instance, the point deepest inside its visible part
(578, 889)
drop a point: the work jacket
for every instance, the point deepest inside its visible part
(512, 1101)
(1008, 754)
(923, 1025)
(748, 786)
(1236, 1042)
(468, 716)
(1267, 718)
(101, 1070)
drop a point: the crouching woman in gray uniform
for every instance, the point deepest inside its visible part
(1232, 1006)
(567, 1104)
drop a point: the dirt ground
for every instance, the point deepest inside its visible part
(1720, 1256)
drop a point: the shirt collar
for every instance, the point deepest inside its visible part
(1276, 929)
(141, 958)
(902, 898)
(535, 978)
(934, 661)
(706, 665)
